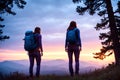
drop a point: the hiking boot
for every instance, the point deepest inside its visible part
(76, 73)
(71, 74)
(37, 75)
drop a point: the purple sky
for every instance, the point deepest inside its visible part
(53, 16)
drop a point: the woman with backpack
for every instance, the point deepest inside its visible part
(73, 46)
(36, 53)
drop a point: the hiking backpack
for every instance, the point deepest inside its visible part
(30, 41)
(72, 36)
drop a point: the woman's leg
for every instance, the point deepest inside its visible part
(76, 53)
(38, 61)
(70, 54)
(31, 59)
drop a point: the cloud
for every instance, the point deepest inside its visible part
(53, 16)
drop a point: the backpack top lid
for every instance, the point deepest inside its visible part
(73, 29)
(27, 33)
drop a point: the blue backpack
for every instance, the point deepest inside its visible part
(30, 41)
(72, 36)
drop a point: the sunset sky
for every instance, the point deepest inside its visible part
(53, 17)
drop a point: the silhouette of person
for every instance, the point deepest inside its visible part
(36, 54)
(73, 46)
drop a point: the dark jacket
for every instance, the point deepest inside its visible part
(39, 41)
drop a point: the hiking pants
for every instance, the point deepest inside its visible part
(32, 56)
(73, 49)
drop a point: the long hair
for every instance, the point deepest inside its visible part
(37, 30)
(72, 25)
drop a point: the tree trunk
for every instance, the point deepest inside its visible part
(114, 33)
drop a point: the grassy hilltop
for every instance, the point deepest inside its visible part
(111, 72)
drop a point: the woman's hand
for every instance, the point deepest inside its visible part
(66, 49)
(41, 53)
(80, 48)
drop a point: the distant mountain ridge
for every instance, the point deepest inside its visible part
(58, 67)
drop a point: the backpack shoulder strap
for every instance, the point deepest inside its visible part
(76, 32)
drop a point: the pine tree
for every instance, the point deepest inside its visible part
(110, 21)
(6, 7)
